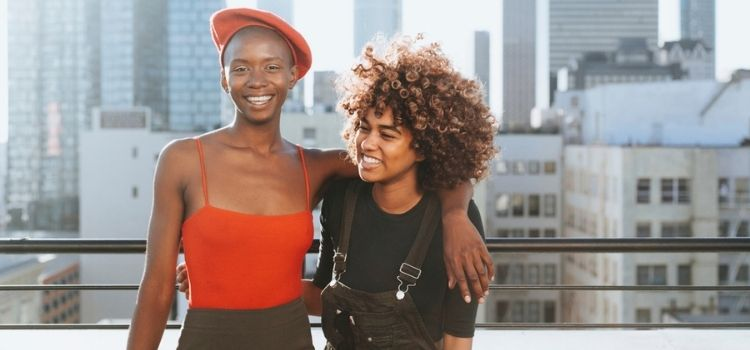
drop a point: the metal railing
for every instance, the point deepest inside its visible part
(494, 245)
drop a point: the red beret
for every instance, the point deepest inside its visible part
(225, 23)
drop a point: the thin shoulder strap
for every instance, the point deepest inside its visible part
(301, 152)
(411, 269)
(204, 183)
(345, 229)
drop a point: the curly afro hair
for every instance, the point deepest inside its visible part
(451, 125)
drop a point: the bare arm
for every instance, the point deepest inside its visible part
(467, 260)
(157, 285)
(455, 343)
(311, 296)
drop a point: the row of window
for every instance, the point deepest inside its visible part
(521, 167)
(668, 229)
(588, 222)
(741, 274)
(741, 190)
(591, 184)
(741, 229)
(673, 190)
(524, 233)
(526, 274)
(525, 311)
(656, 275)
(520, 205)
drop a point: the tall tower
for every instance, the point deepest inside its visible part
(698, 21)
(194, 93)
(52, 86)
(519, 62)
(482, 60)
(578, 26)
(372, 17)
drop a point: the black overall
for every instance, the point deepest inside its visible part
(354, 319)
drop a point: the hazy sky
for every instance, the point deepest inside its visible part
(327, 25)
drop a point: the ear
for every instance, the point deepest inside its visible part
(293, 80)
(420, 155)
(223, 81)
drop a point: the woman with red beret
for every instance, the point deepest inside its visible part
(234, 199)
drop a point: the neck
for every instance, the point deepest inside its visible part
(260, 137)
(397, 197)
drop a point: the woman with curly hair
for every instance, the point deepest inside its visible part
(414, 124)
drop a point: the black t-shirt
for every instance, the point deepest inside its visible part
(378, 245)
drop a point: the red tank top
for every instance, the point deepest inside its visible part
(245, 261)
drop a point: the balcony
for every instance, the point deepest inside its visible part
(701, 334)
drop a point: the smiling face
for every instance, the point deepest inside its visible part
(385, 154)
(258, 72)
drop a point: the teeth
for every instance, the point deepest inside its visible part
(370, 160)
(258, 100)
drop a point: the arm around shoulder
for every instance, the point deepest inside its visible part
(158, 282)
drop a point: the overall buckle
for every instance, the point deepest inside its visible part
(407, 277)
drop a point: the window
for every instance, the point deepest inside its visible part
(643, 230)
(723, 190)
(742, 229)
(723, 274)
(652, 275)
(308, 136)
(501, 311)
(684, 275)
(742, 190)
(724, 228)
(517, 311)
(502, 233)
(532, 312)
(519, 168)
(516, 274)
(534, 205)
(501, 205)
(643, 315)
(533, 274)
(134, 192)
(676, 229)
(550, 205)
(550, 167)
(550, 274)
(533, 167)
(135, 152)
(549, 311)
(501, 167)
(743, 274)
(502, 273)
(675, 190)
(644, 191)
(534, 233)
(516, 233)
(550, 233)
(516, 204)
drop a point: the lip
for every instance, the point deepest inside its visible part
(259, 100)
(369, 165)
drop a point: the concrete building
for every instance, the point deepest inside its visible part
(519, 63)
(698, 22)
(118, 158)
(373, 17)
(694, 112)
(51, 89)
(693, 56)
(621, 191)
(19, 306)
(578, 26)
(324, 92)
(3, 175)
(524, 195)
(633, 61)
(282, 8)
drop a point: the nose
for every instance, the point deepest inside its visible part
(257, 78)
(368, 142)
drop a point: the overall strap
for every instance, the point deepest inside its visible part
(345, 229)
(411, 269)
(203, 170)
(301, 152)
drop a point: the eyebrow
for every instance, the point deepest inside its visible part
(395, 128)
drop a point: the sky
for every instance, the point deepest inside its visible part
(453, 26)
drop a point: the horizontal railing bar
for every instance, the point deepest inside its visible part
(617, 288)
(504, 287)
(483, 325)
(496, 245)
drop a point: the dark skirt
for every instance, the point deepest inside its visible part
(280, 327)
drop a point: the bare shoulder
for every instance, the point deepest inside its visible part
(176, 157)
(329, 162)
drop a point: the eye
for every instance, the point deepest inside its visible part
(273, 67)
(387, 136)
(239, 69)
(362, 127)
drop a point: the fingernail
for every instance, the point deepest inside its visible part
(467, 299)
(486, 293)
(481, 300)
(492, 279)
